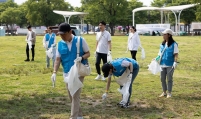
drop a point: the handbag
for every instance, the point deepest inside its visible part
(83, 69)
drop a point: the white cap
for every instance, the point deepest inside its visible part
(169, 31)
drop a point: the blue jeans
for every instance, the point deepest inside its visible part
(135, 72)
(53, 58)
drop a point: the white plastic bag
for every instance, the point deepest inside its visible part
(154, 67)
(124, 77)
(142, 54)
(125, 91)
(109, 57)
(73, 80)
(29, 44)
(49, 52)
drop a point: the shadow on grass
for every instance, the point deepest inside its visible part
(55, 105)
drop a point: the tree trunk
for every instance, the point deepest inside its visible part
(112, 28)
(87, 28)
(127, 29)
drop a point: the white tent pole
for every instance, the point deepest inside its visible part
(161, 17)
(133, 18)
(69, 19)
(179, 20)
(64, 18)
(175, 22)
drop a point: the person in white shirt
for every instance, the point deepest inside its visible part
(65, 55)
(103, 47)
(167, 58)
(49, 41)
(133, 42)
(31, 40)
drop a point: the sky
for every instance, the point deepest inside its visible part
(76, 3)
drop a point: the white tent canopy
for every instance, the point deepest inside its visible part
(174, 9)
(68, 14)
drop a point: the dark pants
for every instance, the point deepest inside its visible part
(135, 73)
(32, 50)
(133, 54)
(100, 56)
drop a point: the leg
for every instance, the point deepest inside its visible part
(98, 59)
(33, 52)
(27, 51)
(133, 54)
(54, 56)
(104, 58)
(75, 103)
(163, 79)
(47, 61)
(135, 72)
(170, 72)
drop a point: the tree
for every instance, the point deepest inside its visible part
(40, 12)
(108, 10)
(10, 16)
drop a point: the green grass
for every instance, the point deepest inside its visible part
(26, 91)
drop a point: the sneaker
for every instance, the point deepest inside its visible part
(163, 95)
(120, 103)
(125, 105)
(27, 60)
(98, 77)
(32, 59)
(169, 95)
(103, 78)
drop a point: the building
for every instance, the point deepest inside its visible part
(1, 1)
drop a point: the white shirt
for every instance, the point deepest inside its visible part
(30, 37)
(133, 41)
(69, 44)
(102, 38)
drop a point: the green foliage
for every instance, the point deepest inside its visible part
(41, 12)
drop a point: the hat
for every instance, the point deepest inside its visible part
(169, 31)
(63, 28)
(106, 69)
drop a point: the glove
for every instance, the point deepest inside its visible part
(78, 59)
(174, 65)
(53, 78)
(109, 52)
(104, 96)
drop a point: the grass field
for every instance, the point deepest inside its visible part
(26, 91)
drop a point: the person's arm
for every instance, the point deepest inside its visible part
(175, 57)
(110, 45)
(108, 84)
(34, 37)
(86, 55)
(109, 42)
(131, 67)
(44, 42)
(57, 64)
(85, 49)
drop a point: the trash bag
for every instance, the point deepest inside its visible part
(109, 57)
(125, 91)
(29, 44)
(154, 67)
(124, 77)
(49, 52)
(142, 54)
(73, 80)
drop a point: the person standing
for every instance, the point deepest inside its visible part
(117, 67)
(31, 40)
(66, 54)
(133, 42)
(49, 41)
(168, 56)
(103, 47)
